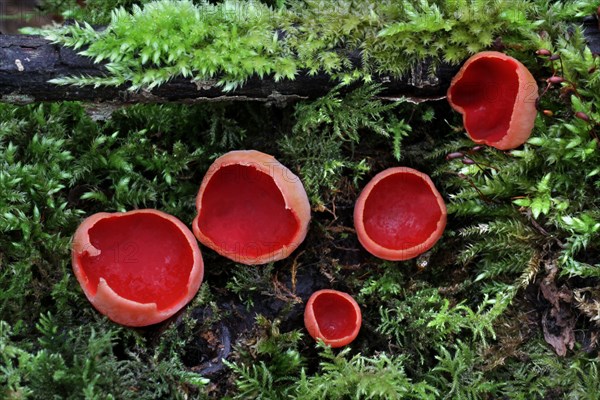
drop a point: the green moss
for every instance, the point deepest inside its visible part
(150, 44)
(462, 321)
(326, 127)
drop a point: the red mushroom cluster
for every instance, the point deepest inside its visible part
(141, 267)
(399, 215)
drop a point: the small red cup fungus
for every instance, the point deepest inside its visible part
(333, 317)
(399, 214)
(496, 95)
(251, 208)
(138, 267)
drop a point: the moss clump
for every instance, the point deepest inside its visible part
(231, 41)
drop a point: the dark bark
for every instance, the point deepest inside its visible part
(27, 63)
(591, 29)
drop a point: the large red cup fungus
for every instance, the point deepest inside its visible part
(251, 208)
(139, 267)
(333, 317)
(496, 95)
(399, 214)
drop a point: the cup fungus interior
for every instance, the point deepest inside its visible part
(335, 316)
(143, 257)
(487, 92)
(401, 211)
(244, 211)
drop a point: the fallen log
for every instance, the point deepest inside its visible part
(27, 63)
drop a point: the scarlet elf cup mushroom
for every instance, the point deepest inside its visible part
(399, 214)
(333, 317)
(139, 267)
(496, 95)
(251, 208)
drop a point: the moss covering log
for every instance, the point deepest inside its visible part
(28, 63)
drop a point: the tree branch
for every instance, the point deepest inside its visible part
(27, 63)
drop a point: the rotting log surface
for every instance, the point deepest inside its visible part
(27, 63)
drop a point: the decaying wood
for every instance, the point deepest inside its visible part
(27, 63)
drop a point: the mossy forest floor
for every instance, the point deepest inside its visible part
(505, 306)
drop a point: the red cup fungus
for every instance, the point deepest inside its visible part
(333, 317)
(496, 95)
(251, 208)
(399, 214)
(139, 267)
